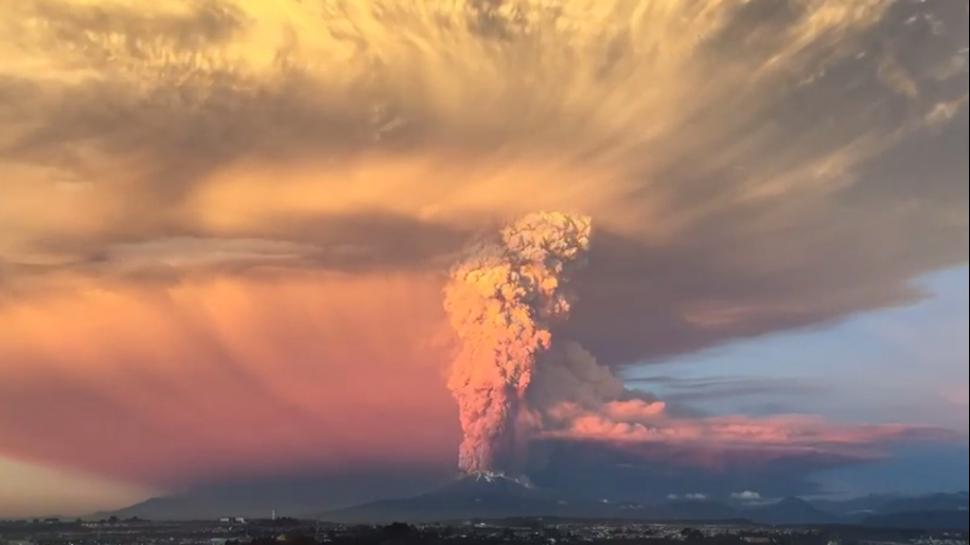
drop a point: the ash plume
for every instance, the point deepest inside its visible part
(501, 300)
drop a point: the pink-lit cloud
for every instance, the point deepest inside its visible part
(224, 377)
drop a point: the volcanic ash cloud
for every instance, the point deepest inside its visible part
(501, 299)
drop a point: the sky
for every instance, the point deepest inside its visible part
(903, 364)
(232, 235)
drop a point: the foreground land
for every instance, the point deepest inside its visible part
(527, 530)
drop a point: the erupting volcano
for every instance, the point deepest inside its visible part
(501, 299)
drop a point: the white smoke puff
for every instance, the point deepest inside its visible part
(501, 300)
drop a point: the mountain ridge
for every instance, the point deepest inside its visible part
(498, 496)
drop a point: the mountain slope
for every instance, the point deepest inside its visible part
(486, 497)
(499, 496)
(937, 520)
(933, 502)
(789, 511)
(165, 508)
(469, 497)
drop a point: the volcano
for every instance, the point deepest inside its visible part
(496, 495)
(480, 495)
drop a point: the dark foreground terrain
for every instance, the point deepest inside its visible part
(550, 531)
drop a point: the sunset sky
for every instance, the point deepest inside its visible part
(226, 228)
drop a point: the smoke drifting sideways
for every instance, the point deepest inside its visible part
(514, 384)
(501, 300)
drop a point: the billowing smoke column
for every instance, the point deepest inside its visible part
(501, 299)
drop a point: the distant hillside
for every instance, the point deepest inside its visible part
(855, 507)
(502, 497)
(493, 497)
(470, 497)
(933, 502)
(166, 508)
(941, 520)
(789, 511)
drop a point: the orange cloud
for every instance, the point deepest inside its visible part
(221, 375)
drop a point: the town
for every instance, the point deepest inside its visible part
(289, 531)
